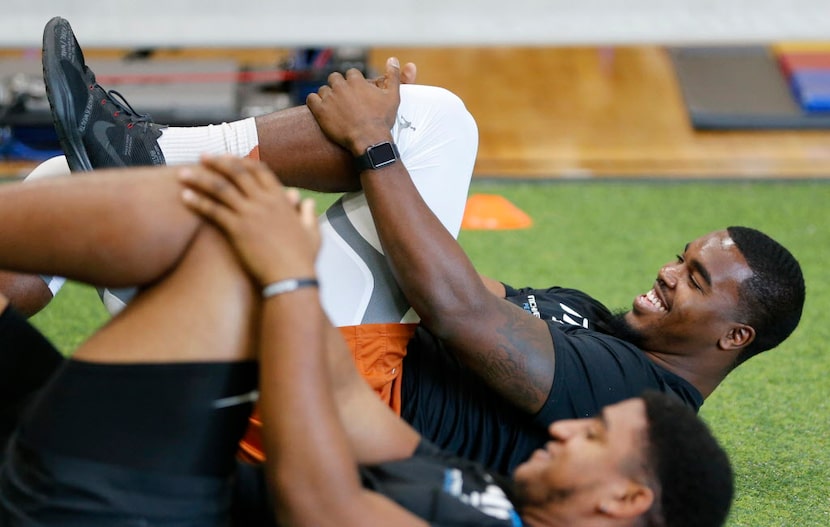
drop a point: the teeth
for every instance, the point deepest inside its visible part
(652, 296)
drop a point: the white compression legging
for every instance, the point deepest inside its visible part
(437, 139)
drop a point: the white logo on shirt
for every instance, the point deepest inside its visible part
(570, 316)
(492, 501)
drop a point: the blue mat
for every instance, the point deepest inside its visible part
(739, 88)
(812, 89)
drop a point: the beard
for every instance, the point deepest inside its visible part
(524, 494)
(618, 326)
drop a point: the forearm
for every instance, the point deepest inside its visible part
(375, 433)
(435, 274)
(115, 228)
(310, 465)
(510, 351)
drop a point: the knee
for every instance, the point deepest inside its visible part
(440, 113)
(458, 116)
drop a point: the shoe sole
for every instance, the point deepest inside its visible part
(60, 98)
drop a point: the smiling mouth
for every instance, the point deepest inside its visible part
(656, 301)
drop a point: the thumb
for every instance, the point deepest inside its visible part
(393, 73)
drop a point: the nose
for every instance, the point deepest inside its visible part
(566, 429)
(668, 274)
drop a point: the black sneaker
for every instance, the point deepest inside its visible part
(96, 128)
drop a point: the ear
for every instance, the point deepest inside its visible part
(630, 500)
(738, 337)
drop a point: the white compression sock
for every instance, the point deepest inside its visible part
(184, 144)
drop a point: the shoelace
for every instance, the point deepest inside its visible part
(120, 102)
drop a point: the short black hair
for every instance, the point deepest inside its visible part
(772, 299)
(694, 478)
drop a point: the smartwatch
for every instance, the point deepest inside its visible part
(377, 156)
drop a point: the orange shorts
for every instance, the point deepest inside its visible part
(378, 351)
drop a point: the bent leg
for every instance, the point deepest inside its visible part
(436, 135)
(437, 138)
(142, 423)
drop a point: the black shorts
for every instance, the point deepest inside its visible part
(146, 444)
(27, 361)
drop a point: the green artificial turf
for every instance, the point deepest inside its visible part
(609, 238)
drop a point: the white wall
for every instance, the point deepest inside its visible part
(278, 23)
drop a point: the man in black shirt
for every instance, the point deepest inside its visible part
(729, 295)
(140, 427)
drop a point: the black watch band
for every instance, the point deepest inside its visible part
(377, 156)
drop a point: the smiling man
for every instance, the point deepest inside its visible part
(696, 305)
(732, 294)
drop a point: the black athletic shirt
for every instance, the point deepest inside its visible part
(450, 406)
(444, 490)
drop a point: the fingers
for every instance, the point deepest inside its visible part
(308, 214)
(308, 219)
(203, 203)
(224, 186)
(249, 176)
(333, 79)
(394, 74)
(354, 74)
(408, 73)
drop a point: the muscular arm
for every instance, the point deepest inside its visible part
(512, 352)
(310, 462)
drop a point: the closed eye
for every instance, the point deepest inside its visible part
(692, 281)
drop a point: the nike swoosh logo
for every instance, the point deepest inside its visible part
(99, 131)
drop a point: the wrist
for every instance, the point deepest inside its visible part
(377, 156)
(288, 285)
(359, 145)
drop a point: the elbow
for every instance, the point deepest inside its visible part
(445, 315)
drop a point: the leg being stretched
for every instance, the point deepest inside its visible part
(141, 425)
(436, 136)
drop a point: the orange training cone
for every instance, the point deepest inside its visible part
(493, 212)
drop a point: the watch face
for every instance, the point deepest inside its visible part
(382, 154)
